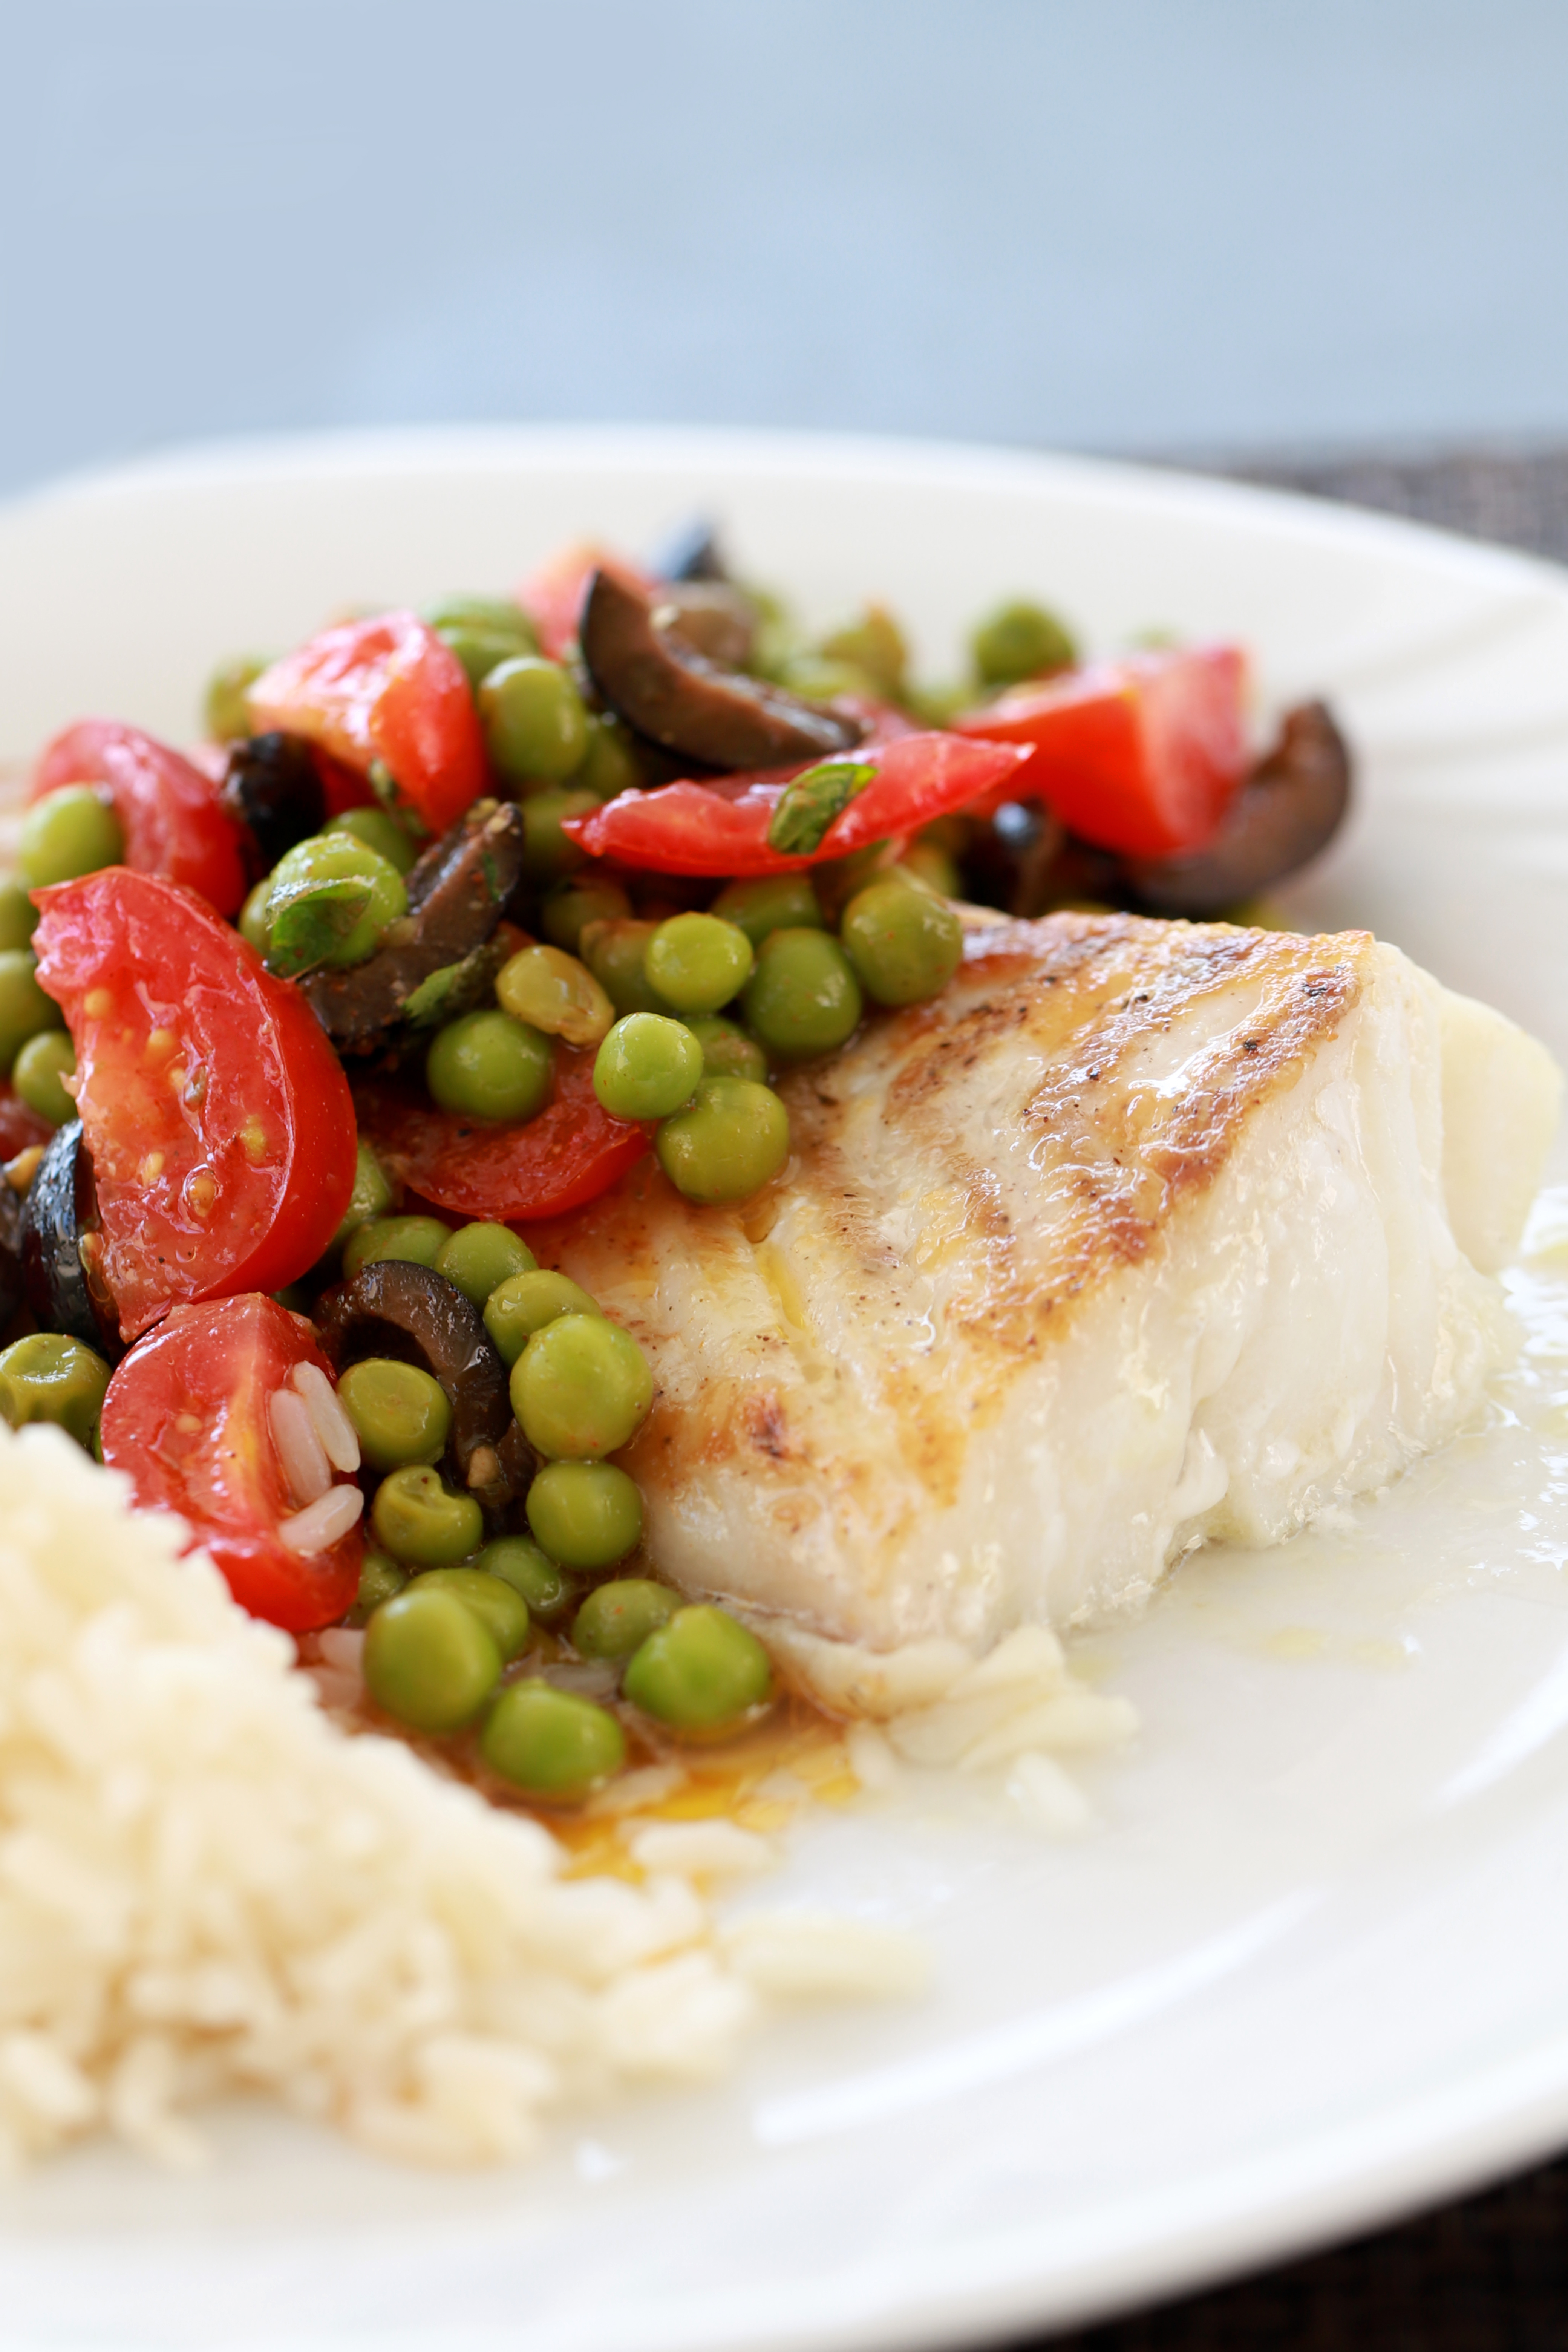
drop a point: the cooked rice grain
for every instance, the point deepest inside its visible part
(205, 1886)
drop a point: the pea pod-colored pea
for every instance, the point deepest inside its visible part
(586, 1515)
(480, 1257)
(487, 1066)
(698, 963)
(497, 1604)
(703, 1672)
(46, 1377)
(646, 1066)
(417, 1240)
(803, 998)
(733, 1138)
(552, 1743)
(430, 1660)
(543, 1583)
(905, 944)
(400, 1414)
(581, 1388)
(526, 1302)
(617, 1618)
(69, 831)
(422, 1523)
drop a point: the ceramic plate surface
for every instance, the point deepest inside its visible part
(1311, 1967)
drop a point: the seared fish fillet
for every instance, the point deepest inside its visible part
(1142, 1234)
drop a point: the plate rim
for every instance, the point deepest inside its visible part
(1345, 2181)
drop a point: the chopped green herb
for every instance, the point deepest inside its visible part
(811, 801)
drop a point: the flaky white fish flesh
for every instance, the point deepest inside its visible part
(1140, 1235)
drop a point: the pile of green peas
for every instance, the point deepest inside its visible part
(446, 1612)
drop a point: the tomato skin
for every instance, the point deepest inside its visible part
(234, 1177)
(213, 1369)
(570, 1153)
(553, 596)
(387, 689)
(174, 823)
(1142, 755)
(722, 827)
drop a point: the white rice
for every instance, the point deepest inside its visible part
(205, 1886)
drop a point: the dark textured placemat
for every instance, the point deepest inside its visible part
(1490, 2273)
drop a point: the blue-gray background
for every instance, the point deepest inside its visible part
(1156, 225)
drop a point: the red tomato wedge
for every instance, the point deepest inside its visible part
(722, 827)
(570, 1152)
(385, 690)
(186, 1418)
(170, 814)
(219, 1120)
(553, 596)
(1143, 755)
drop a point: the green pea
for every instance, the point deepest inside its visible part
(38, 1071)
(331, 899)
(430, 1660)
(422, 1523)
(927, 863)
(46, 1378)
(610, 764)
(400, 1412)
(377, 830)
(1020, 640)
(500, 614)
(613, 950)
(702, 1672)
(495, 1602)
(519, 1562)
(526, 1302)
(568, 911)
(482, 631)
(874, 644)
(417, 1240)
(25, 1010)
(533, 718)
(803, 997)
(226, 714)
(773, 902)
(380, 1579)
(548, 853)
(18, 916)
(254, 919)
(646, 1066)
(617, 1618)
(727, 1051)
(487, 1066)
(586, 1515)
(733, 1138)
(371, 1197)
(555, 993)
(698, 963)
(904, 944)
(69, 831)
(580, 1388)
(479, 1258)
(550, 1742)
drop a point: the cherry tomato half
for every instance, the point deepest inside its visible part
(385, 690)
(722, 827)
(170, 814)
(217, 1116)
(186, 1418)
(570, 1152)
(1143, 755)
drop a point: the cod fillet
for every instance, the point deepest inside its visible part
(1140, 1235)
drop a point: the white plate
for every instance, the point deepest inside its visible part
(1312, 1967)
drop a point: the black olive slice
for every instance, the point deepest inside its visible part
(272, 785)
(64, 1288)
(393, 1308)
(11, 1214)
(457, 894)
(675, 696)
(1284, 816)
